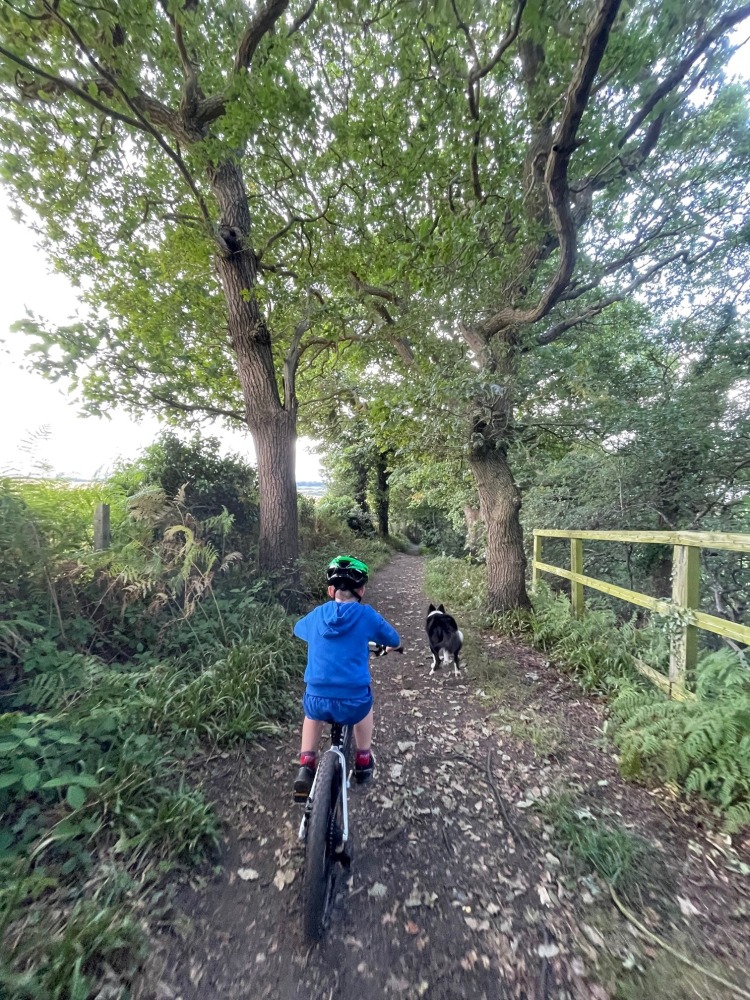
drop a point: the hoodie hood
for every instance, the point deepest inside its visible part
(338, 618)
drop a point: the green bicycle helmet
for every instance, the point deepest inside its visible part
(347, 573)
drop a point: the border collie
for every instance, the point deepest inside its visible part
(444, 637)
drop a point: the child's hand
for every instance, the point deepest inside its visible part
(394, 649)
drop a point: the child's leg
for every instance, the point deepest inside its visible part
(311, 733)
(363, 732)
(364, 762)
(308, 758)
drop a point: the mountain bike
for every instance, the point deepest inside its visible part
(325, 826)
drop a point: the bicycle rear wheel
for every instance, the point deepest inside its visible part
(317, 882)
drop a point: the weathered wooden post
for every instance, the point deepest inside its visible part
(102, 536)
(686, 578)
(576, 566)
(537, 559)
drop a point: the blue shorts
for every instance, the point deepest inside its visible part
(345, 711)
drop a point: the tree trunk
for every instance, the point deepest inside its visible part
(272, 425)
(275, 442)
(360, 474)
(500, 505)
(474, 525)
(383, 498)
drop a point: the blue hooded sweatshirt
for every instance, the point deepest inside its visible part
(338, 660)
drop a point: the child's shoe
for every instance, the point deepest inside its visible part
(364, 766)
(305, 776)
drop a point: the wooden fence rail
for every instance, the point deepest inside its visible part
(684, 605)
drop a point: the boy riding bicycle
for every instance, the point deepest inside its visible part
(337, 677)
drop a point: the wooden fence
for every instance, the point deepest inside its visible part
(684, 607)
(102, 534)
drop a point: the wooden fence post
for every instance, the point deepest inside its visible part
(576, 566)
(537, 559)
(686, 578)
(102, 536)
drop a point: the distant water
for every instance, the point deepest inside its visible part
(310, 489)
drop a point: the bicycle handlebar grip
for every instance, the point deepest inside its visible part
(379, 650)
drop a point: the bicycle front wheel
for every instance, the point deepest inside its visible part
(317, 883)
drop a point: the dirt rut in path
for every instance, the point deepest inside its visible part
(454, 891)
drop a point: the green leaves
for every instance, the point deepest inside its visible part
(75, 796)
(47, 773)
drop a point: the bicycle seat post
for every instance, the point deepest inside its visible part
(336, 734)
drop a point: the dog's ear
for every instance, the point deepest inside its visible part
(441, 608)
(431, 608)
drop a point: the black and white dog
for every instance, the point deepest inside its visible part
(444, 637)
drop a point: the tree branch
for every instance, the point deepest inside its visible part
(467, 34)
(667, 85)
(263, 22)
(299, 21)
(146, 124)
(214, 411)
(556, 331)
(71, 88)
(639, 249)
(556, 173)
(478, 72)
(626, 164)
(192, 94)
(293, 355)
(188, 66)
(375, 290)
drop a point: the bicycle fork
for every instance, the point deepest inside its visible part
(302, 835)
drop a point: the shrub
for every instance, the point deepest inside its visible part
(211, 482)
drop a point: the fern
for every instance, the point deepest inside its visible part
(703, 746)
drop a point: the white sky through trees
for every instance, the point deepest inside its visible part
(73, 445)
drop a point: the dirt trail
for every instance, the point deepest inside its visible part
(456, 890)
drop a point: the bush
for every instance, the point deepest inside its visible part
(236, 696)
(432, 528)
(331, 537)
(211, 482)
(117, 661)
(117, 664)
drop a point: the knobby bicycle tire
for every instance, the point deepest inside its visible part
(317, 882)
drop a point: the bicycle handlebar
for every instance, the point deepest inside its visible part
(379, 650)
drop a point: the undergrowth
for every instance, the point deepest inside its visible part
(703, 746)
(115, 667)
(622, 859)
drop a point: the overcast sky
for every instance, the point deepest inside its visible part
(76, 446)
